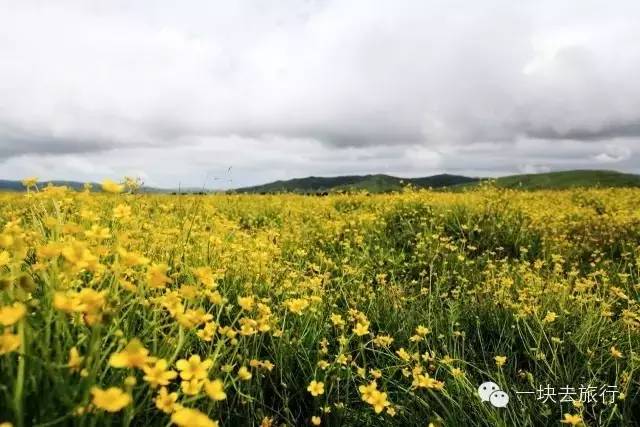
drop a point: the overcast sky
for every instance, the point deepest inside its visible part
(179, 92)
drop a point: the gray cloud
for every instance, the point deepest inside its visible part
(412, 87)
(605, 132)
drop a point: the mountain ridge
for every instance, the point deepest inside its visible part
(378, 183)
(375, 183)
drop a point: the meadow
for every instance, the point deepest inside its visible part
(120, 308)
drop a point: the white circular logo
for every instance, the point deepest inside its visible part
(490, 392)
(499, 399)
(486, 389)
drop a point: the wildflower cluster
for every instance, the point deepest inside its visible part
(122, 307)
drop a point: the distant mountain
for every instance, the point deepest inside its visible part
(564, 180)
(386, 183)
(371, 183)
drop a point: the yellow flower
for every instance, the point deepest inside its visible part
(367, 390)
(361, 328)
(9, 342)
(246, 303)
(134, 355)
(187, 417)
(194, 368)
(131, 259)
(215, 297)
(87, 301)
(448, 360)
(79, 257)
(425, 381)
(215, 389)
(112, 399)
(500, 361)
(244, 374)
(111, 186)
(267, 365)
(342, 359)
(550, 317)
(122, 212)
(379, 401)
(5, 258)
(383, 340)
(75, 360)
(402, 353)
(315, 420)
(191, 387)
(316, 388)
(297, 305)
(156, 276)
(30, 181)
(166, 401)
(337, 320)
(615, 353)
(574, 420)
(422, 331)
(10, 315)
(207, 332)
(322, 364)
(98, 233)
(205, 276)
(457, 373)
(266, 422)
(158, 374)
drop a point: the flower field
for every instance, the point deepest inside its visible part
(139, 309)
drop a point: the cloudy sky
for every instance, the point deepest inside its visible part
(232, 93)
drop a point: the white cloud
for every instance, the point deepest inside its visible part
(316, 87)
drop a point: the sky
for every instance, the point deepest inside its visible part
(223, 94)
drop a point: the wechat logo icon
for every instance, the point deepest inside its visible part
(490, 392)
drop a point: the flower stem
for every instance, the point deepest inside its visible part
(19, 386)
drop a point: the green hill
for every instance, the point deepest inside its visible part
(564, 180)
(371, 183)
(387, 183)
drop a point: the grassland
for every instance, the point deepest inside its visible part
(142, 309)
